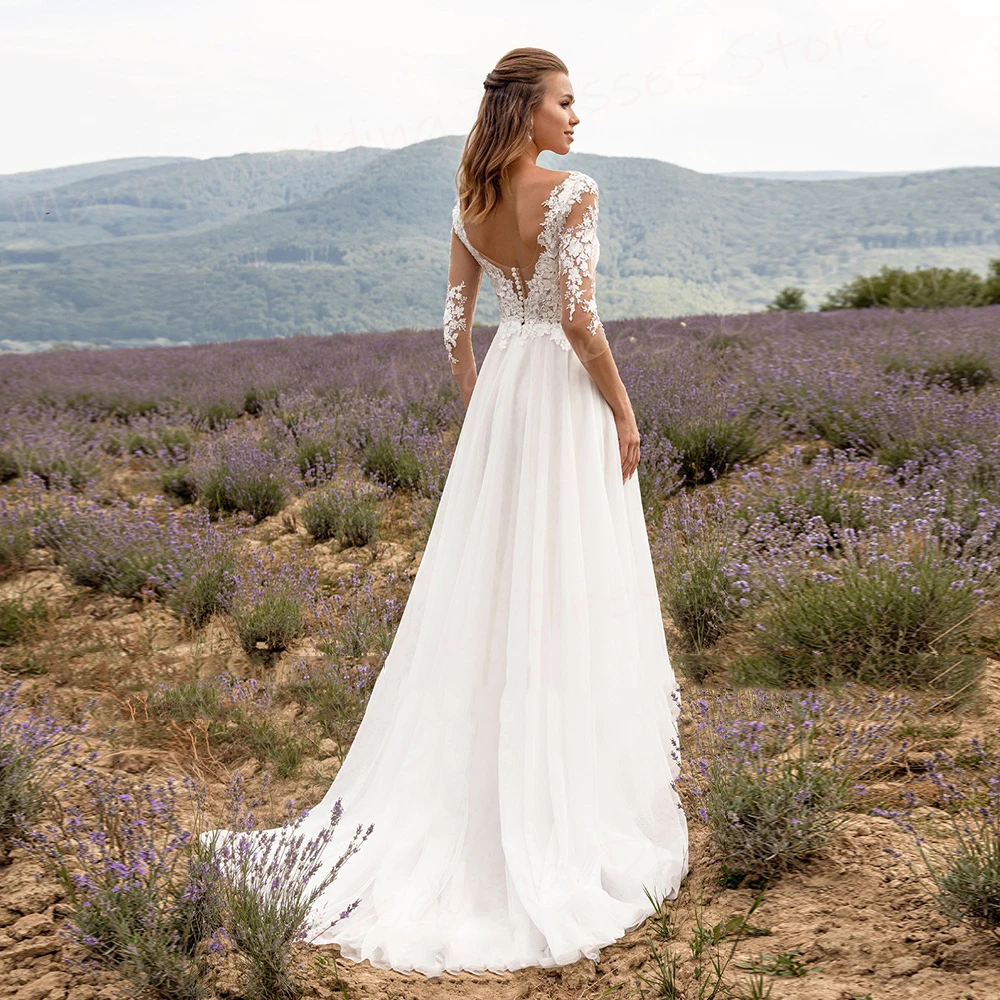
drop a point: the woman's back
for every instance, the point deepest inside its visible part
(540, 250)
(510, 235)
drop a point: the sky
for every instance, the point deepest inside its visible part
(878, 85)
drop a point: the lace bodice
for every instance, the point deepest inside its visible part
(558, 293)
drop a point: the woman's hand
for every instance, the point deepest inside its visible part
(628, 443)
(466, 383)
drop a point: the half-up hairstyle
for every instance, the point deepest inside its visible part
(502, 129)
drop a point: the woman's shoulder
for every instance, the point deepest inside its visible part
(576, 185)
(571, 178)
(575, 188)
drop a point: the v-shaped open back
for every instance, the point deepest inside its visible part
(547, 284)
(517, 274)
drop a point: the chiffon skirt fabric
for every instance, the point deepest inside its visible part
(519, 748)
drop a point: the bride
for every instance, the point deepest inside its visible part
(517, 758)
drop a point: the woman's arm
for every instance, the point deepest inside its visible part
(464, 278)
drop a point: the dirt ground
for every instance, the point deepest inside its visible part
(858, 921)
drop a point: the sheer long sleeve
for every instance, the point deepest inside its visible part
(464, 278)
(579, 251)
(578, 254)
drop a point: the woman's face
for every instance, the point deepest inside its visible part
(554, 119)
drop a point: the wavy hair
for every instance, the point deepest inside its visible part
(514, 88)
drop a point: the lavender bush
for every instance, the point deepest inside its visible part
(240, 474)
(269, 887)
(965, 869)
(144, 548)
(369, 620)
(350, 515)
(775, 771)
(57, 450)
(34, 746)
(15, 535)
(143, 890)
(903, 616)
(705, 580)
(271, 602)
(338, 695)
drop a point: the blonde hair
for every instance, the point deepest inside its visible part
(514, 88)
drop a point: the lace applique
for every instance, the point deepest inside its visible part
(533, 307)
(454, 318)
(578, 251)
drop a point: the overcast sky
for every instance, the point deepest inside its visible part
(818, 85)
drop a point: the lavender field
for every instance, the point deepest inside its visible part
(205, 551)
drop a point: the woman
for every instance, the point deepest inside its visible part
(517, 756)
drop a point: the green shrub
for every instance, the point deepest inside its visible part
(316, 458)
(702, 593)
(15, 539)
(269, 603)
(8, 466)
(726, 341)
(179, 485)
(709, 448)
(19, 619)
(961, 372)
(897, 288)
(391, 463)
(991, 287)
(213, 416)
(256, 400)
(789, 298)
(351, 518)
(887, 620)
(241, 476)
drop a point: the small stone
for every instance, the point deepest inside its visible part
(82, 993)
(906, 965)
(31, 926)
(33, 897)
(44, 944)
(39, 988)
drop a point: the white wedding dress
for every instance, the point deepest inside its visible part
(518, 753)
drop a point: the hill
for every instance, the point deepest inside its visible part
(277, 244)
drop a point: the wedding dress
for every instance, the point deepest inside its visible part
(519, 749)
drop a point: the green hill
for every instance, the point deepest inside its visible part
(264, 245)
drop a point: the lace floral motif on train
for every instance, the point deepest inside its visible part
(577, 260)
(538, 312)
(454, 318)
